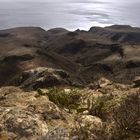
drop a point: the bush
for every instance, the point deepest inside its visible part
(120, 113)
(40, 92)
(127, 117)
(97, 106)
(68, 100)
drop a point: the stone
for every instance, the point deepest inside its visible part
(25, 116)
(136, 82)
(42, 77)
(103, 82)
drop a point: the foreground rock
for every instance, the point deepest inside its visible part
(110, 112)
(25, 116)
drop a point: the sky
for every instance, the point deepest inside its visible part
(85, 1)
(70, 14)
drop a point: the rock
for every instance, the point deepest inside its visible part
(23, 115)
(67, 90)
(85, 112)
(90, 122)
(43, 77)
(93, 86)
(28, 115)
(47, 109)
(103, 82)
(22, 123)
(136, 82)
(90, 128)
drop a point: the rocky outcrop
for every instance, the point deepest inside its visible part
(43, 77)
(71, 113)
(24, 115)
(137, 82)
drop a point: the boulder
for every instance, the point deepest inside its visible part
(90, 128)
(91, 122)
(136, 82)
(24, 115)
(22, 123)
(103, 82)
(43, 77)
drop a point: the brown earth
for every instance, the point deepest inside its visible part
(62, 85)
(112, 52)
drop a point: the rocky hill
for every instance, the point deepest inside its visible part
(112, 52)
(63, 85)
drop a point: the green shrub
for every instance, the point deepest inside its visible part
(69, 100)
(40, 92)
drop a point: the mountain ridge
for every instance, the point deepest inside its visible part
(112, 52)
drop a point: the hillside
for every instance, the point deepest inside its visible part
(63, 85)
(111, 52)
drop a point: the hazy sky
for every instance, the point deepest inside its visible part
(71, 14)
(71, 0)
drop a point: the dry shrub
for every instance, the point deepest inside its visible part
(120, 114)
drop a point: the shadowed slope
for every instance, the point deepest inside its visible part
(112, 52)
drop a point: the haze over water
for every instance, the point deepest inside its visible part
(70, 14)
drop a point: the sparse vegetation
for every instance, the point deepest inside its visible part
(120, 113)
(126, 117)
(40, 92)
(60, 97)
(97, 106)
